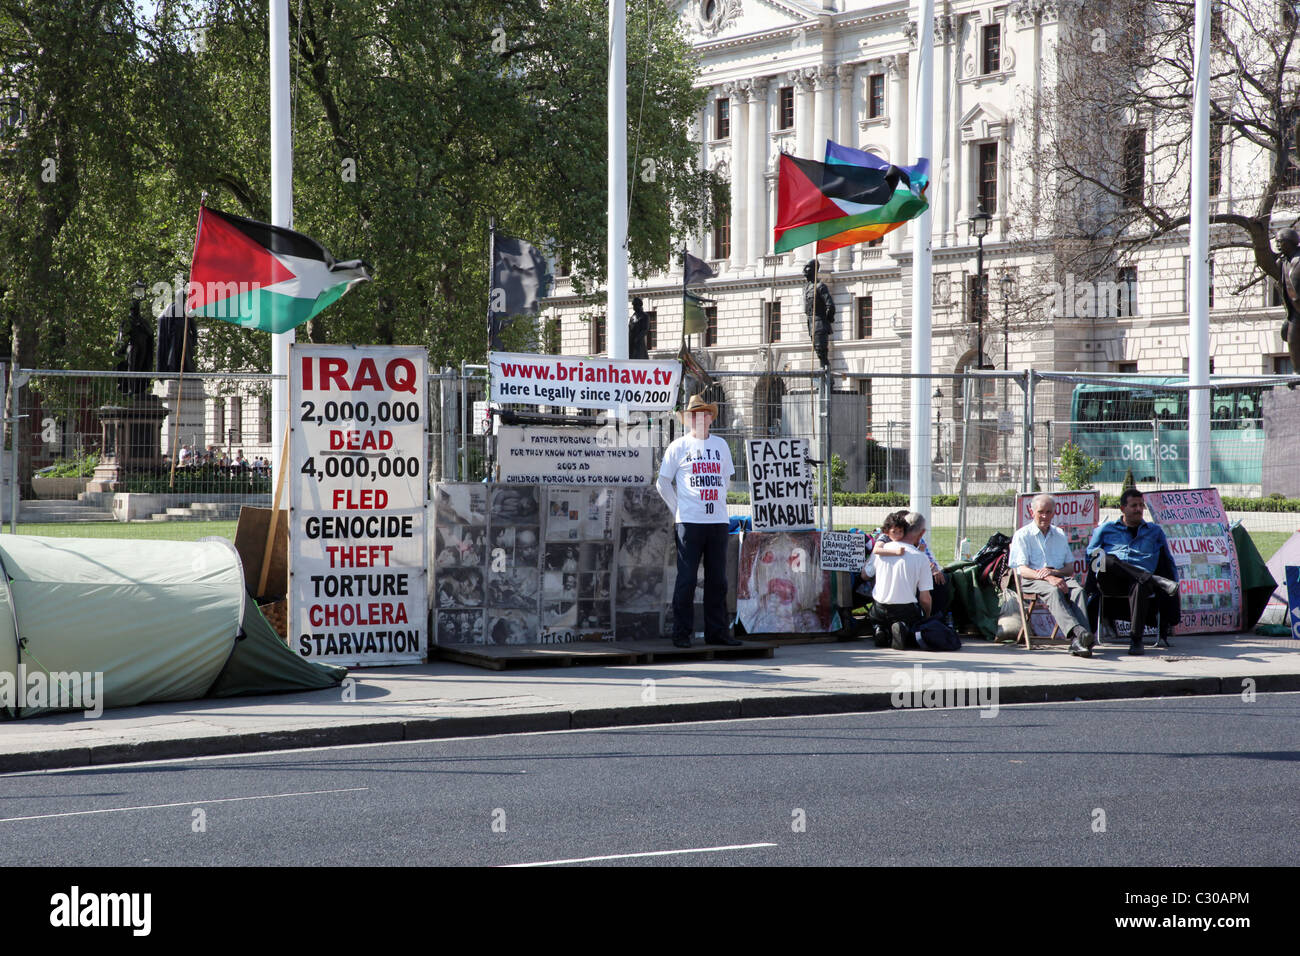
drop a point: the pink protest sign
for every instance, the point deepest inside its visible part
(1209, 574)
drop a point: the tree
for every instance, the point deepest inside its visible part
(1076, 468)
(1114, 128)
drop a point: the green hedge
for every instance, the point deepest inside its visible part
(896, 499)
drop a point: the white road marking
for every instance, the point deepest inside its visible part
(187, 803)
(629, 856)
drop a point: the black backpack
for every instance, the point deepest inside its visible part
(991, 561)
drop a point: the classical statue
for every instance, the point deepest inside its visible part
(134, 347)
(1288, 264)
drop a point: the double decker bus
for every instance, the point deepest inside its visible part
(1142, 425)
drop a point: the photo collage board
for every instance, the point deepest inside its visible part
(535, 564)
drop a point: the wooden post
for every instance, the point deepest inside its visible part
(275, 513)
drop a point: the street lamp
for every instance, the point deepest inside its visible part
(1008, 287)
(938, 433)
(979, 227)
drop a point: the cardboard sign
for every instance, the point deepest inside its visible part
(580, 382)
(1200, 539)
(537, 455)
(357, 534)
(1076, 515)
(843, 551)
(780, 484)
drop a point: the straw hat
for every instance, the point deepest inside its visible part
(698, 404)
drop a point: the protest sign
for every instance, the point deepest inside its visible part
(843, 551)
(357, 538)
(1200, 539)
(534, 454)
(577, 382)
(780, 484)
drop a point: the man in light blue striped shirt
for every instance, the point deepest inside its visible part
(1040, 554)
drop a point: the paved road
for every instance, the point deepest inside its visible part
(1188, 781)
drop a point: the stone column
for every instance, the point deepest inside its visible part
(739, 93)
(803, 111)
(896, 70)
(823, 106)
(846, 134)
(756, 162)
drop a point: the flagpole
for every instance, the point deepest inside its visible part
(281, 211)
(616, 245)
(921, 477)
(1198, 312)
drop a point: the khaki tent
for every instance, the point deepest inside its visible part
(89, 623)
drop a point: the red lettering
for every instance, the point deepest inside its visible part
(367, 376)
(370, 499)
(332, 371)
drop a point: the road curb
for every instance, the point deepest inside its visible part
(441, 728)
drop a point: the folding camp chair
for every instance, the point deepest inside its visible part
(1026, 604)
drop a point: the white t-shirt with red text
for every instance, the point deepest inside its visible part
(702, 469)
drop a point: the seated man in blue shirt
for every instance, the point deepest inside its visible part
(1040, 555)
(1131, 558)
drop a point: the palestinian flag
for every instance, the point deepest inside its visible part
(819, 200)
(916, 180)
(262, 276)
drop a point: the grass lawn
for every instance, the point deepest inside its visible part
(942, 540)
(135, 530)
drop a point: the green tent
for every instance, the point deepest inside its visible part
(93, 623)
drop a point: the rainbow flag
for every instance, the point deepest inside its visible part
(818, 202)
(916, 179)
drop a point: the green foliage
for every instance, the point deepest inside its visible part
(78, 466)
(1129, 481)
(205, 480)
(873, 485)
(1075, 468)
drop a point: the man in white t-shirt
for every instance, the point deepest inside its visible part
(901, 596)
(700, 466)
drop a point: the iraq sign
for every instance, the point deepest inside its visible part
(358, 433)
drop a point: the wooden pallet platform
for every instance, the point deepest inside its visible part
(500, 656)
(579, 653)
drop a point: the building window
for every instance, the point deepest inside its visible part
(772, 322)
(785, 108)
(1135, 155)
(1126, 368)
(876, 242)
(236, 419)
(864, 389)
(711, 325)
(876, 95)
(1209, 288)
(1291, 174)
(264, 422)
(597, 335)
(1287, 14)
(1187, 283)
(1187, 366)
(1282, 365)
(864, 316)
(722, 239)
(722, 118)
(987, 187)
(1126, 293)
(1216, 158)
(651, 329)
(219, 421)
(992, 37)
(551, 336)
(563, 263)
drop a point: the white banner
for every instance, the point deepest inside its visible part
(579, 382)
(531, 455)
(357, 534)
(780, 484)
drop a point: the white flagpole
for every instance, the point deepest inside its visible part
(616, 250)
(281, 206)
(1198, 317)
(920, 477)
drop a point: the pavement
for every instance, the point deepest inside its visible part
(445, 699)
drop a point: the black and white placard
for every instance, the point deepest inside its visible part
(781, 484)
(843, 551)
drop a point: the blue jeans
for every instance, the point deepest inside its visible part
(696, 541)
